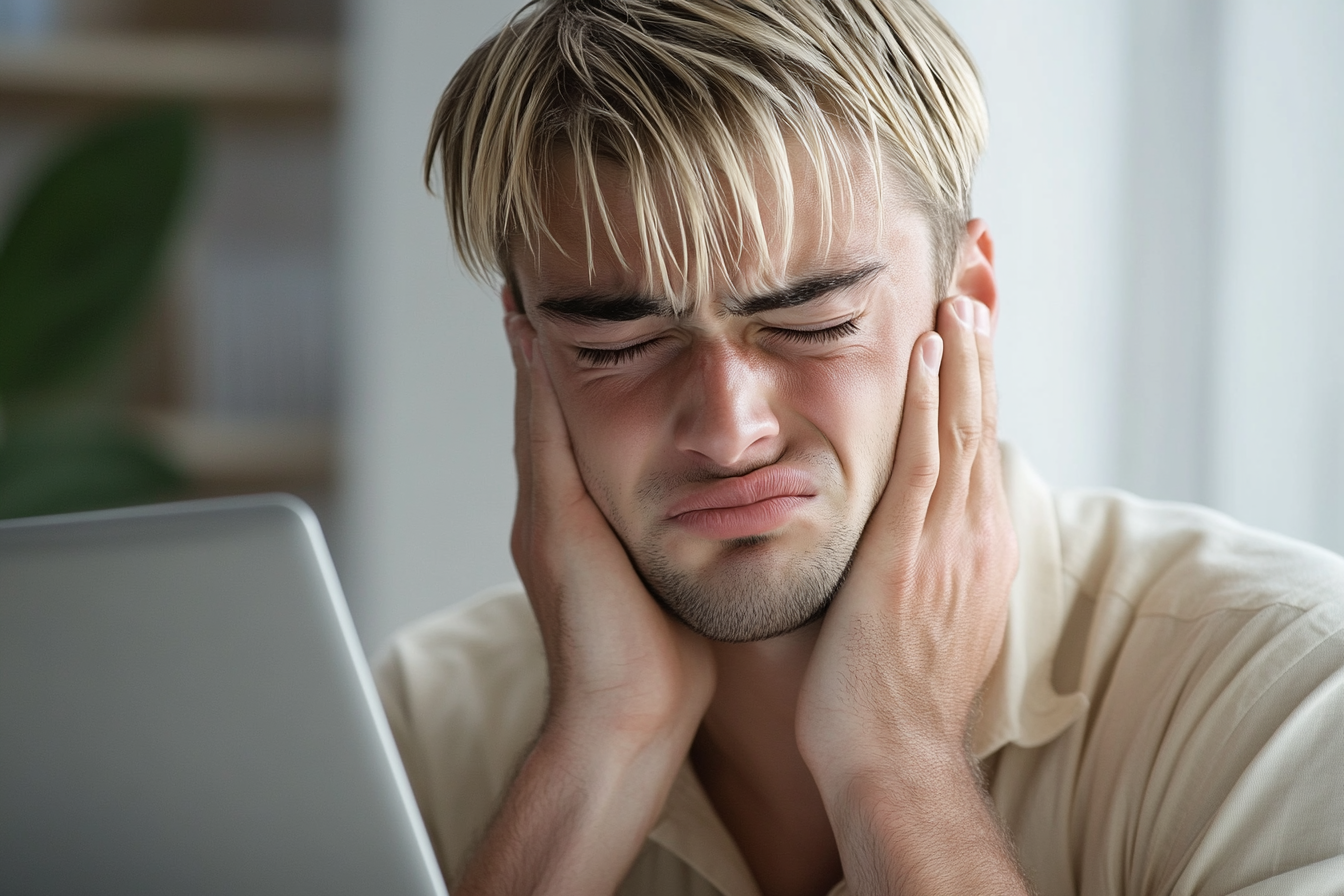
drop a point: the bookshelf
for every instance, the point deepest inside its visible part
(204, 69)
(247, 306)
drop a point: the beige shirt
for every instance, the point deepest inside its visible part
(1166, 715)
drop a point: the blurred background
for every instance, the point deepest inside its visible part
(1164, 183)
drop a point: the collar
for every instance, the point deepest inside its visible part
(1019, 704)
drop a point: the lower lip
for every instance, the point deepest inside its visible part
(741, 522)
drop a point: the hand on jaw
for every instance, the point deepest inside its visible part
(886, 704)
(628, 684)
(888, 694)
(619, 665)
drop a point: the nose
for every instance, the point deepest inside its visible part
(725, 414)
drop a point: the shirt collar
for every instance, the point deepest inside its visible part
(1019, 703)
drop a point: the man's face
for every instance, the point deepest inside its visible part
(737, 449)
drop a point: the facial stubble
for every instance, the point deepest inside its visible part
(758, 588)
(744, 602)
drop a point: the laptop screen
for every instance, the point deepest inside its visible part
(184, 708)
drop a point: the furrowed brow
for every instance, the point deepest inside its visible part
(800, 293)
(603, 308)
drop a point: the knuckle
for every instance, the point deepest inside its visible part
(966, 435)
(924, 400)
(923, 474)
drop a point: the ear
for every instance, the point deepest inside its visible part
(974, 276)
(507, 296)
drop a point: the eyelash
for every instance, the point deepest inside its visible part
(611, 357)
(829, 334)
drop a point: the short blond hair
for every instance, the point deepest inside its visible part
(699, 101)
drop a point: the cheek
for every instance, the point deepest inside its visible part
(616, 428)
(855, 403)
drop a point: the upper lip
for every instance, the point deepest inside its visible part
(773, 481)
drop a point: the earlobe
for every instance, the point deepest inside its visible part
(975, 270)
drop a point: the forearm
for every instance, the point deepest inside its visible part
(922, 826)
(574, 818)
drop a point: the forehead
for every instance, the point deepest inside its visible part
(821, 221)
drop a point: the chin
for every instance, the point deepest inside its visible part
(755, 592)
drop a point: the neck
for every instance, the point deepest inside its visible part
(746, 755)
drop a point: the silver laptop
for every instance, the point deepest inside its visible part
(185, 708)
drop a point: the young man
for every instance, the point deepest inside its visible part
(793, 622)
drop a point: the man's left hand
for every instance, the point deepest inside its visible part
(907, 644)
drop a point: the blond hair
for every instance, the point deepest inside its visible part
(698, 102)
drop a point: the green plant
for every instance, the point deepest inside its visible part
(78, 261)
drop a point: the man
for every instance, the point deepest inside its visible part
(793, 623)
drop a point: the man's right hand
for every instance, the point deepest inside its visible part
(618, 663)
(628, 683)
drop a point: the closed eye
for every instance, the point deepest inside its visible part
(613, 357)
(610, 357)
(827, 334)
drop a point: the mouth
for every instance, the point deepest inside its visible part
(744, 506)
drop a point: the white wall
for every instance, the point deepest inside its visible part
(426, 463)
(1168, 250)
(1050, 188)
(1278, 403)
(1163, 184)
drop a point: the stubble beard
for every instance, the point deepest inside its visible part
(758, 589)
(752, 598)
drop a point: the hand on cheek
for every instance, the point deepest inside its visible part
(627, 685)
(618, 663)
(912, 635)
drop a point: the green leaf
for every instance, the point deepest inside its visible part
(65, 465)
(79, 257)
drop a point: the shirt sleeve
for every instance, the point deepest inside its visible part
(1279, 827)
(464, 692)
(389, 675)
(1225, 773)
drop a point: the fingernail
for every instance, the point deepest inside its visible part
(982, 325)
(964, 308)
(931, 352)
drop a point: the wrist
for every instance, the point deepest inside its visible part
(596, 746)
(933, 829)
(914, 773)
(902, 753)
(627, 714)
(618, 732)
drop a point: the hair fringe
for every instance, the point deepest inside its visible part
(699, 102)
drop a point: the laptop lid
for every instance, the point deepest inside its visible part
(185, 708)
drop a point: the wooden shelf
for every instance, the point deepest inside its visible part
(218, 450)
(203, 69)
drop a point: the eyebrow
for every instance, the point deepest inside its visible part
(615, 308)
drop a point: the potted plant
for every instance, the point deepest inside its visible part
(78, 261)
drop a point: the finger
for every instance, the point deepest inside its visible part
(556, 482)
(987, 472)
(915, 471)
(960, 427)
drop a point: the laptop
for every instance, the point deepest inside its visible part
(185, 708)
